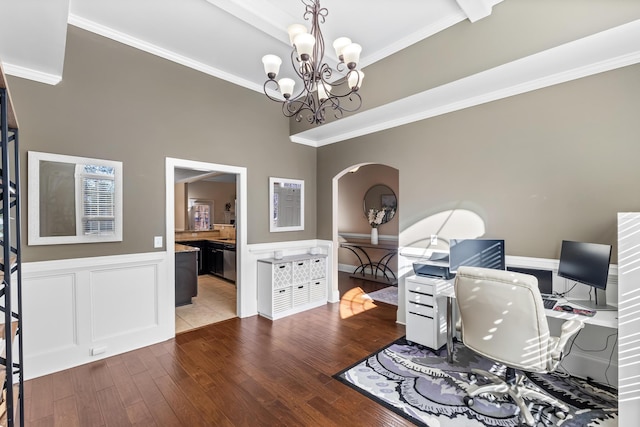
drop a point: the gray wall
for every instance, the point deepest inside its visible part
(118, 103)
(557, 163)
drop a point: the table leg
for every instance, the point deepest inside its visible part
(450, 329)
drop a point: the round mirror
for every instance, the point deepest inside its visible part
(378, 199)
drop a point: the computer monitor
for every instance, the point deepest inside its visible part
(545, 278)
(486, 253)
(587, 263)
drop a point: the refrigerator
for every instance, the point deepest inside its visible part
(200, 214)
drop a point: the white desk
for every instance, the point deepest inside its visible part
(606, 319)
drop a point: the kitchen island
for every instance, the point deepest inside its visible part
(186, 273)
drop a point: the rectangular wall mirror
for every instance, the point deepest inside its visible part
(286, 204)
(73, 199)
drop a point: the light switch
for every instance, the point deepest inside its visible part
(157, 242)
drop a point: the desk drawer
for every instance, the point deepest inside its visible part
(420, 297)
(420, 329)
(421, 309)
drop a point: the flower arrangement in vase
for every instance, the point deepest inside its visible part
(375, 218)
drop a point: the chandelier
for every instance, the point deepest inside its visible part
(319, 91)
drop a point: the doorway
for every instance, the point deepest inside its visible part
(219, 298)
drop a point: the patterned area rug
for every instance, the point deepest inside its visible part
(387, 295)
(433, 395)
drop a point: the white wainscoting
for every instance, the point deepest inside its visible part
(76, 311)
(79, 310)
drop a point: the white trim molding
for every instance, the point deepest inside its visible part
(144, 46)
(31, 74)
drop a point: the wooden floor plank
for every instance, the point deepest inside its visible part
(41, 399)
(86, 399)
(139, 415)
(65, 412)
(126, 387)
(178, 402)
(62, 385)
(113, 411)
(239, 372)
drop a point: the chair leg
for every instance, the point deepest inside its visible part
(518, 392)
(497, 385)
(536, 395)
(525, 414)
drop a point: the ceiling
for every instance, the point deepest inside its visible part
(224, 38)
(227, 39)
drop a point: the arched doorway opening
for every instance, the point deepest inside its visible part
(354, 252)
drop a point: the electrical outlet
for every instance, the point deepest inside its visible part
(434, 239)
(98, 350)
(157, 242)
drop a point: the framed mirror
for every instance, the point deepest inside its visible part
(381, 198)
(286, 204)
(73, 199)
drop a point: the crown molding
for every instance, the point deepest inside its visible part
(604, 51)
(477, 9)
(123, 38)
(31, 74)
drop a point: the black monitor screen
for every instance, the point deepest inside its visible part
(545, 278)
(484, 253)
(586, 263)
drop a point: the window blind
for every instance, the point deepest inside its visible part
(98, 201)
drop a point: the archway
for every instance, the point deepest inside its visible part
(349, 221)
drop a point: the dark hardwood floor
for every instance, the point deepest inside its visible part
(240, 372)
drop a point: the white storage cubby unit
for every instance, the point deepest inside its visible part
(292, 284)
(426, 308)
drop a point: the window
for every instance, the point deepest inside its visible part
(96, 214)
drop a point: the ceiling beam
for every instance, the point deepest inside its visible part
(604, 51)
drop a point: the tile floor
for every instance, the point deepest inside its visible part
(216, 301)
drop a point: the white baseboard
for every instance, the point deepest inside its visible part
(598, 369)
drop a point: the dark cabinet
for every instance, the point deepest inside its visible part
(202, 254)
(186, 277)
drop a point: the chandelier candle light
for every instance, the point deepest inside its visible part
(319, 90)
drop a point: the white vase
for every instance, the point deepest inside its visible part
(374, 236)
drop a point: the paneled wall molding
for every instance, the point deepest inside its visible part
(80, 310)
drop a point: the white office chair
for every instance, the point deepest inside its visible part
(503, 319)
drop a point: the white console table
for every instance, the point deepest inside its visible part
(292, 284)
